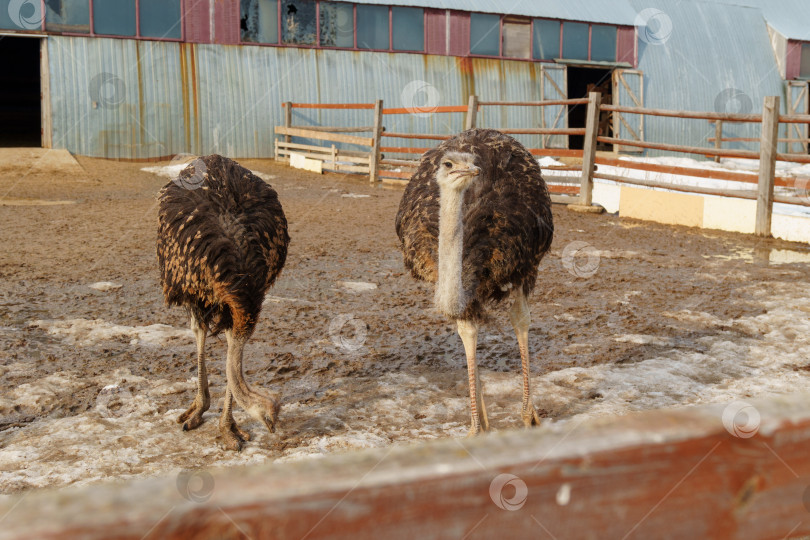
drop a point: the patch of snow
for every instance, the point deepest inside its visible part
(355, 196)
(357, 286)
(172, 171)
(89, 332)
(104, 286)
(547, 162)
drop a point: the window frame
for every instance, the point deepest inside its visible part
(137, 35)
(804, 46)
(354, 5)
(532, 21)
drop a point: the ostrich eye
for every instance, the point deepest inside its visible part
(448, 164)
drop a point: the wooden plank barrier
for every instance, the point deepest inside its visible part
(719, 471)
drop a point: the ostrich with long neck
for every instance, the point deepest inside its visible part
(476, 219)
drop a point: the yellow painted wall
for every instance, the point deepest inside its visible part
(729, 214)
(662, 206)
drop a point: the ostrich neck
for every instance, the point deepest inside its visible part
(450, 298)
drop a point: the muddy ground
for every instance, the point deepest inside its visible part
(90, 389)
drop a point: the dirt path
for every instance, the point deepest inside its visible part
(649, 316)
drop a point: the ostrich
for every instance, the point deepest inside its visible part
(475, 219)
(222, 242)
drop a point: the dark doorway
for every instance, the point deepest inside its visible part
(20, 106)
(581, 81)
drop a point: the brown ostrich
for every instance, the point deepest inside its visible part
(475, 219)
(222, 242)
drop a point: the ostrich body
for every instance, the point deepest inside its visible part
(476, 219)
(222, 242)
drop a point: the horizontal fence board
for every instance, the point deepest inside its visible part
(330, 105)
(426, 110)
(700, 150)
(725, 117)
(417, 136)
(334, 129)
(335, 137)
(669, 473)
(579, 101)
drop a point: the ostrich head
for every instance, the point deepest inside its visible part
(266, 408)
(457, 171)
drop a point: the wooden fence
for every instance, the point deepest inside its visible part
(380, 166)
(721, 471)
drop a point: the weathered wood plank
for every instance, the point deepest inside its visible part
(589, 149)
(725, 117)
(767, 165)
(374, 153)
(321, 136)
(673, 473)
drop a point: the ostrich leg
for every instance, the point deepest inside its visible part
(468, 331)
(519, 315)
(232, 435)
(192, 418)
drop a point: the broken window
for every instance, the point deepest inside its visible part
(372, 27)
(160, 19)
(337, 24)
(298, 22)
(408, 27)
(546, 39)
(603, 43)
(575, 41)
(804, 70)
(67, 16)
(114, 17)
(259, 21)
(485, 34)
(517, 38)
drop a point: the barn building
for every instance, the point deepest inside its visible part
(144, 79)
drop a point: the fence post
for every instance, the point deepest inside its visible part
(767, 165)
(287, 119)
(472, 112)
(589, 148)
(374, 154)
(718, 137)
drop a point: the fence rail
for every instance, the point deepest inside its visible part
(678, 473)
(567, 189)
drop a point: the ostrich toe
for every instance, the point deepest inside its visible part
(193, 417)
(530, 417)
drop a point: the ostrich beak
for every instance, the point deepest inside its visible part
(472, 170)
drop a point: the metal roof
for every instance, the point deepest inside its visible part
(599, 11)
(791, 18)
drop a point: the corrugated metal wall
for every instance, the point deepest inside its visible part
(137, 99)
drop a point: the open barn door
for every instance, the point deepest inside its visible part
(628, 91)
(554, 116)
(798, 103)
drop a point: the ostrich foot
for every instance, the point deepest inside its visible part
(232, 436)
(193, 417)
(530, 417)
